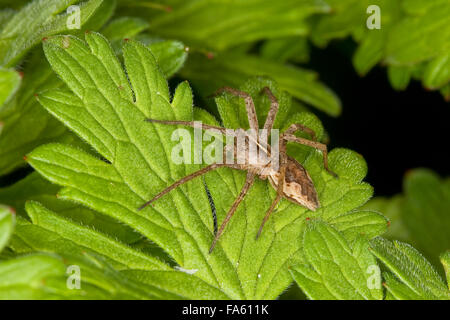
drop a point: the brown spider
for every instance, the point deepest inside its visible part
(296, 184)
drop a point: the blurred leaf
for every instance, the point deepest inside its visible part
(219, 25)
(345, 17)
(334, 269)
(38, 19)
(124, 27)
(286, 49)
(417, 279)
(437, 72)
(372, 45)
(234, 69)
(9, 83)
(170, 55)
(419, 216)
(399, 77)
(426, 214)
(138, 167)
(7, 221)
(26, 123)
(416, 39)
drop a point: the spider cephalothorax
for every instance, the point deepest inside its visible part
(289, 178)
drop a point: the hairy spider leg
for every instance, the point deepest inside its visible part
(248, 183)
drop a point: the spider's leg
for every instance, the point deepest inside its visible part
(249, 105)
(248, 183)
(280, 187)
(293, 128)
(317, 145)
(184, 180)
(191, 124)
(274, 105)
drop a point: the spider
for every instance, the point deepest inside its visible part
(291, 180)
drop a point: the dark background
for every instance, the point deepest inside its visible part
(394, 130)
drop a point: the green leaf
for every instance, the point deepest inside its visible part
(70, 233)
(38, 19)
(372, 46)
(9, 83)
(445, 259)
(26, 123)
(7, 221)
(234, 69)
(182, 284)
(221, 24)
(170, 55)
(356, 223)
(35, 187)
(419, 38)
(420, 215)
(425, 213)
(392, 209)
(399, 77)
(437, 72)
(45, 276)
(345, 16)
(411, 268)
(334, 269)
(284, 49)
(124, 27)
(107, 109)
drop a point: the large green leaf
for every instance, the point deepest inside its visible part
(38, 19)
(107, 109)
(415, 276)
(222, 24)
(334, 269)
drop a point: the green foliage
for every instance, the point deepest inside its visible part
(240, 266)
(218, 25)
(80, 121)
(415, 277)
(9, 83)
(419, 216)
(7, 221)
(234, 68)
(334, 269)
(38, 19)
